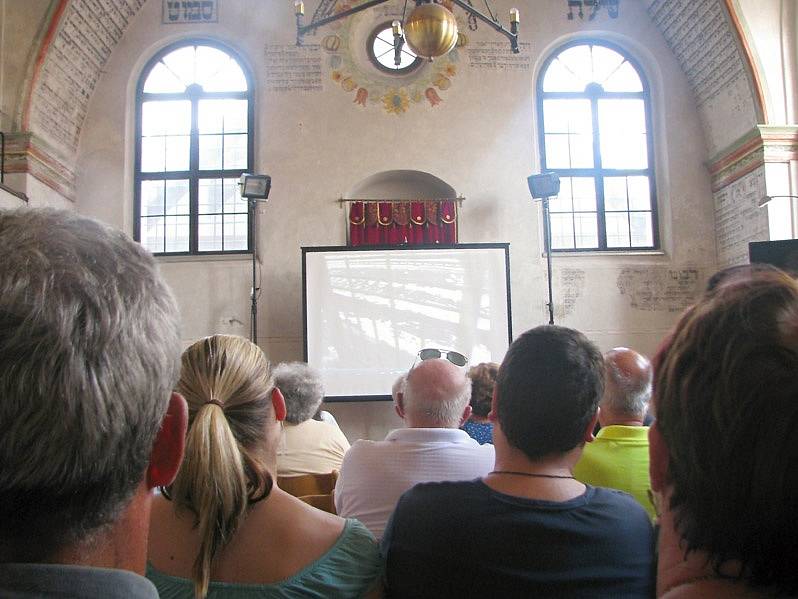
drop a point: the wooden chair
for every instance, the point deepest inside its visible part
(325, 503)
(308, 484)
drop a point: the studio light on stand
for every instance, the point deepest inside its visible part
(542, 187)
(255, 189)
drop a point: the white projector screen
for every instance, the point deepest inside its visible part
(369, 311)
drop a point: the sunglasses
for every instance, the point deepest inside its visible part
(432, 353)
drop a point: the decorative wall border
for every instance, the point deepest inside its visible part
(25, 153)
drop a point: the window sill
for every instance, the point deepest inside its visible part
(594, 253)
(237, 257)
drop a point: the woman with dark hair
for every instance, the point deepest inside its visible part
(483, 378)
(224, 528)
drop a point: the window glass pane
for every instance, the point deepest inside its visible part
(233, 202)
(562, 203)
(642, 229)
(182, 63)
(210, 233)
(559, 79)
(153, 154)
(639, 193)
(235, 151)
(172, 117)
(567, 116)
(557, 155)
(177, 152)
(177, 195)
(562, 231)
(151, 198)
(176, 231)
(569, 151)
(235, 232)
(617, 229)
(218, 71)
(210, 196)
(577, 60)
(210, 152)
(162, 80)
(222, 116)
(581, 148)
(622, 126)
(586, 230)
(605, 62)
(615, 193)
(584, 193)
(152, 233)
(624, 79)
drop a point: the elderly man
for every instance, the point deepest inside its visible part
(618, 457)
(725, 443)
(307, 446)
(431, 448)
(89, 354)
(528, 529)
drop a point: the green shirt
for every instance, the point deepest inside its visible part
(618, 459)
(348, 570)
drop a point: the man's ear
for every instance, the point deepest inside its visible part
(466, 414)
(589, 436)
(167, 451)
(399, 405)
(278, 402)
(658, 459)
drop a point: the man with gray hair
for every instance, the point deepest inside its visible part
(89, 354)
(434, 404)
(618, 457)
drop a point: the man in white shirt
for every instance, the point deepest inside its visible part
(434, 404)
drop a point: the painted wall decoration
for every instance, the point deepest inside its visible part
(395, 95)
(190, 11)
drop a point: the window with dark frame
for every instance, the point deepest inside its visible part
(594, 119)
(194, 119)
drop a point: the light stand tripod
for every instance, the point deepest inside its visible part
(543, 187)
(255, 189)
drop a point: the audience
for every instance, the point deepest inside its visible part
(724, 443)
(618, 457)
(308, 446)
(528, 529)
(483, 378)
(224, 528)
(89, 348)
(433, 405)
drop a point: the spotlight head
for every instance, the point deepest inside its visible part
(545, 185)
(255, 187)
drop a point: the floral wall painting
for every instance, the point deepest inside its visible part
(351, 71)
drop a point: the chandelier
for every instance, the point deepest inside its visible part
(430, 29)
(592, 6)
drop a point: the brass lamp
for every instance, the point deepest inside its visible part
(431, 31)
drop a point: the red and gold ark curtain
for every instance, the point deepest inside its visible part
(403, 223)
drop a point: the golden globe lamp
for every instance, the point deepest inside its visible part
(431, 31)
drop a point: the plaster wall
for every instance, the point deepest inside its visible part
(481, 140)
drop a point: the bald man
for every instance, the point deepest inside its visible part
(433, 404)
(618, 457)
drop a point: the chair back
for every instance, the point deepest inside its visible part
(308, 484)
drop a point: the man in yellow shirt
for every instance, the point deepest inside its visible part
(618, 457)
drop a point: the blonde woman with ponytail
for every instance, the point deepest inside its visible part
(224, 528)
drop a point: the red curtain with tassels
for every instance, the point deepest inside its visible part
(402, 223)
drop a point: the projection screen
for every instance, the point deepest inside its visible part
(367, 312)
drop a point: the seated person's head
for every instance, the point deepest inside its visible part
(89, 349)
(483, 378)
(724, 446)
(302, 388)
(436, 394)
(234, 414)
(547, 391)
(627, 387)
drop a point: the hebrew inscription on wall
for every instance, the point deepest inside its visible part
(571, 287)
(659, 289)
(739, 219)
(293, 68)
(706, 45)
(498, 56)
(190, 11)
(88, 33)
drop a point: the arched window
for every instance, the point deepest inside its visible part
(193, 140)
(594, 118)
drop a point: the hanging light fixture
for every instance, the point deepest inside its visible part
(592, 6)
(430, 30)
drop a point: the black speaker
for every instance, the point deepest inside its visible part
(782, 254)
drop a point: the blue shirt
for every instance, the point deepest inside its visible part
(481, 432)
(463, 539)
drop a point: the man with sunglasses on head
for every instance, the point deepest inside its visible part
(433, 405)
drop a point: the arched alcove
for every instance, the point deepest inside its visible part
(401, 185)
